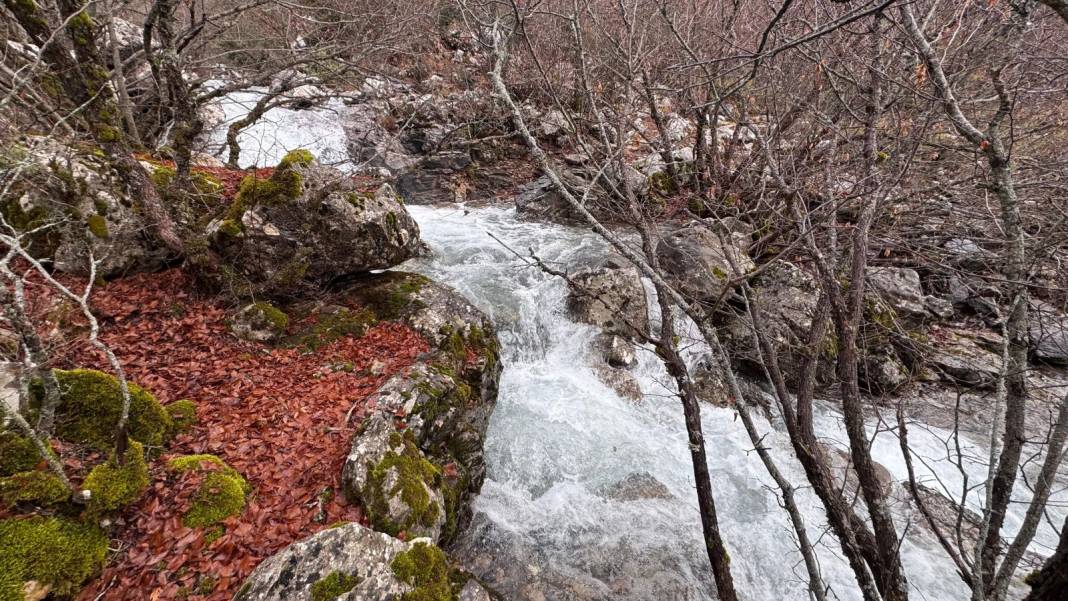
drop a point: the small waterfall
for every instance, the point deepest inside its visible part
(544, 526)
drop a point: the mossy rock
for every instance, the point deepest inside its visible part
(284, 185)
(91, 406)
(426, 568)
(333, 585)
(57, 553)
(221, 494)
(114, 486)
(405, 473)
(329, 327)
(17, 453)
(183, 415)
(37, 487)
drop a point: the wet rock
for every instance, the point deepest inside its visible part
(309, 225)
(259, 322)
(899, 288)
(444, 401)
(84, 196)
(636, 487)
(698, 259)
(431, 181)
(621, 381)
(539, 200)
(370, 145)
(361, 564)
(959, 357)
(9, 388)
(610, 296)
(883, 372)
(1049, 333)
(842, 470)
(975, 295)
(787, 296)
(616, 351)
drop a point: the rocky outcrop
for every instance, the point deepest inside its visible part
(419, 458)
(82, 197)
(355, 563)
(434, 179)
(698, 259)
(899, 289)
(787, 296)
(636, 487)
(960, 358)
(540, 200)
(308, 224)
(610, 295)
(259, 322)
(1049, 333)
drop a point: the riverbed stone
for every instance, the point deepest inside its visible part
(636, 487)
(610, 295)
(1049, 333)
(621, 381)
(307, 225)
(616, 351)
(899, 288)
(698, 259)
(354, 563)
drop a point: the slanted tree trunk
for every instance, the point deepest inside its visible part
(1051, 582)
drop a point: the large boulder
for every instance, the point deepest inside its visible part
(430, 422)
(787, 296)
(82, 197)
(433, 180)
(960, 357)
(310, 224)
(698, 259)
(1049, 333)
(355, 563)
(899, 289)
(370, 145)
(540, 200)
(610, 295)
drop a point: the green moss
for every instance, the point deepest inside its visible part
(206, 585)
(38, 487)
(300, 157)
(114, 486)
(21, 219)
(394, 298)
(221, 494)
(425, 568)
(273, 315)
(91, 405)
(98, 226)
(55, 552)
(213, 534)
(415, 474)
(333, 585)
(341, 324)
(17, 453)
(358, 199)
(231, 228)
(183, 415)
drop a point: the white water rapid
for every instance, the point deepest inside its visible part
(544, 527)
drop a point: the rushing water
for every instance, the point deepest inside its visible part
(544, 526)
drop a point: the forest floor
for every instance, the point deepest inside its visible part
(282, 417)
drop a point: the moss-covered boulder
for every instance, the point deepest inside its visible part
(260, 322)
(183, 415)
(355, 562)
(17, 453)
(38, 487)
(79, 192)
(112, 485)
(306, 225)
(403, 491)
(221, 491)
(56, 554)
(446, 399)
(91, 406)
